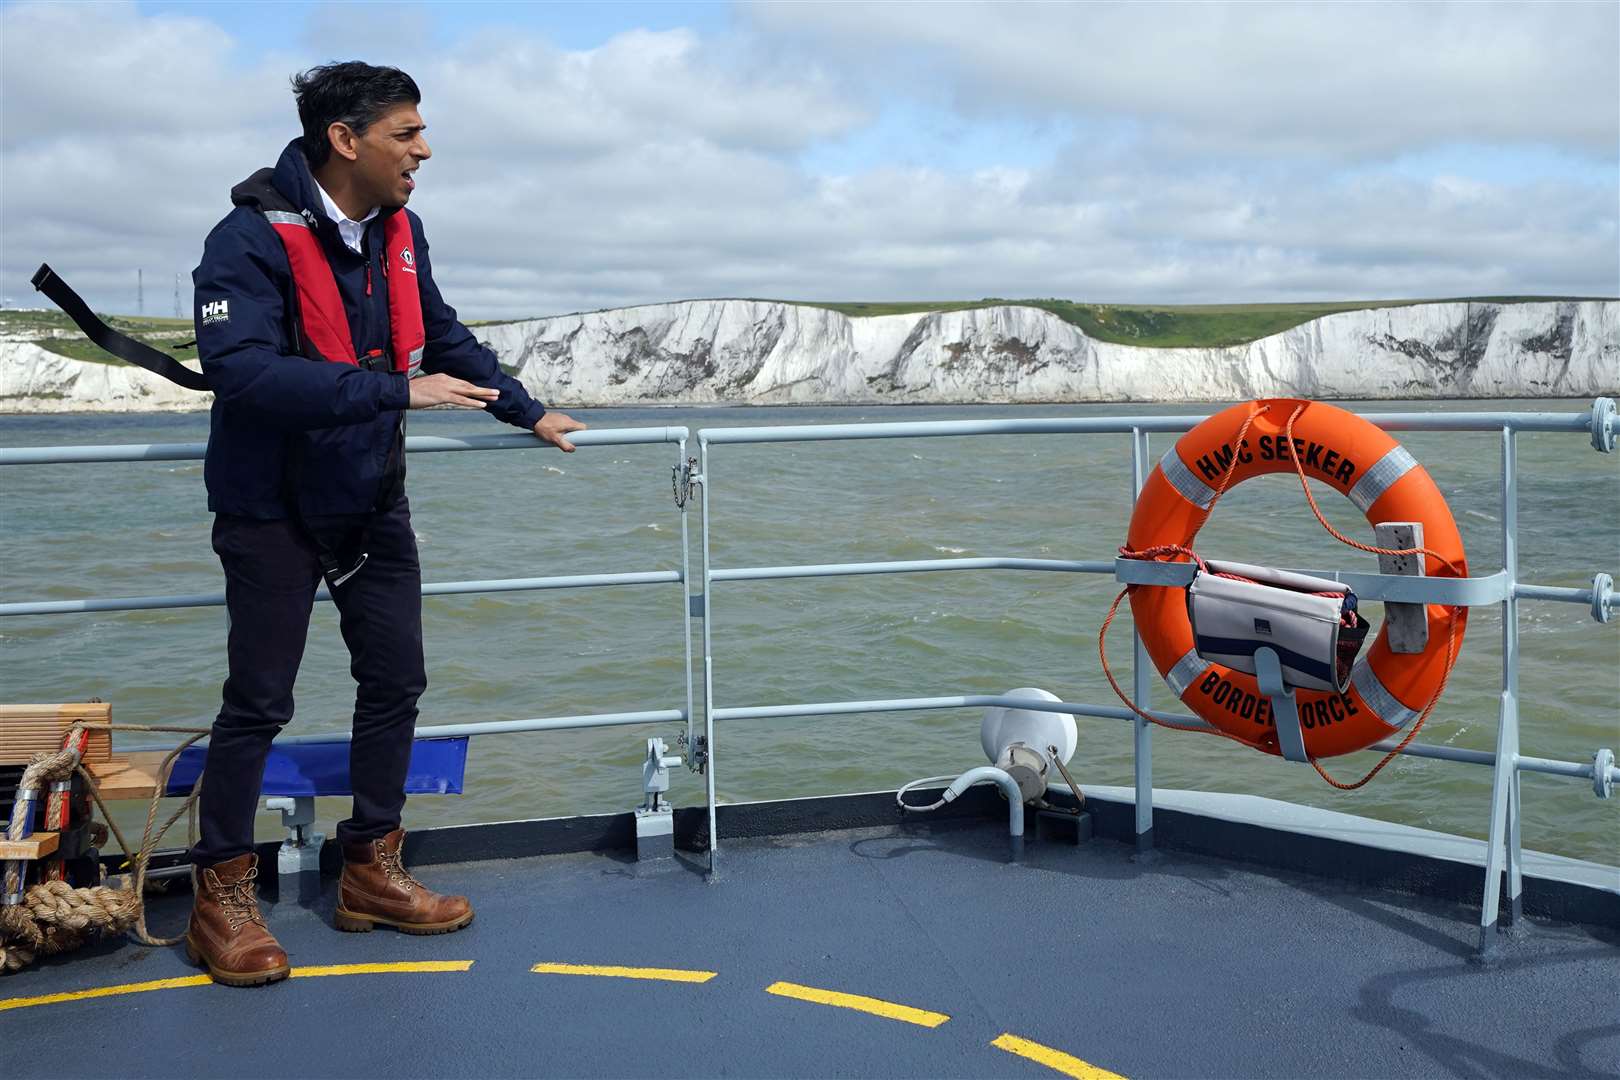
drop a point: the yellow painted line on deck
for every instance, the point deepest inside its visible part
(876, 1006)
(406, 966)
(611, 971)
(204, 980)
(105, 991)
(1056, 1060)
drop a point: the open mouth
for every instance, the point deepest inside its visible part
(410, 180)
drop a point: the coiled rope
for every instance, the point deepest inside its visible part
(54, 917)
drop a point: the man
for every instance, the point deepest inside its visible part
(318, 324)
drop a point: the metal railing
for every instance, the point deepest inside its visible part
(694, 476)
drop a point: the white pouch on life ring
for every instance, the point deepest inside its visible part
(1232, 620)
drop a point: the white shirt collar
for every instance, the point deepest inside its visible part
(350, 230)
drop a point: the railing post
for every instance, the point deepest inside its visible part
(1510, 651)
(1142, 679)
(708, 665)
(1502, 844)
(686, 596)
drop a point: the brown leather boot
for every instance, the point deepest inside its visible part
(227, 934)
(376, 889)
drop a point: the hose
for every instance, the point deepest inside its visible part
(1009, 787)
(900, 796)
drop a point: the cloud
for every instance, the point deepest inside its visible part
(121, 134)
(668, 165)
(78, 72)
(528, 99)
(126, 163)
(393, 30)
(1331, 80)
(919, 233)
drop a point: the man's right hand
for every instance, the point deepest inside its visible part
(430, 390)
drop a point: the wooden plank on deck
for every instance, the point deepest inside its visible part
(26, 730)
(128, 776)
(37, 846)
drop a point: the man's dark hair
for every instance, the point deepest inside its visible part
(353, 93)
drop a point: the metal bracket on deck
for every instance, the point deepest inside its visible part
(1284, 712)
(1396, 588)
(697, 748)
(682, 480)
(298, 863)
(655, 820)
(1406, 625)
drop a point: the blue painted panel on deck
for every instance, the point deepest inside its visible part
(322, 768)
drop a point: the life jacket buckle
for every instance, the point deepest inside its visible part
(334, 579)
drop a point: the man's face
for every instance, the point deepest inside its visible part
(388, 154)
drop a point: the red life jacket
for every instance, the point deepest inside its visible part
(322, 322)
(326, 325)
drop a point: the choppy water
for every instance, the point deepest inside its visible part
(141, 529)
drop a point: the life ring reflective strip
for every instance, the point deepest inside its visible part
(1387, 691)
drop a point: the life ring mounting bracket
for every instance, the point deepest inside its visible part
(1393, 588)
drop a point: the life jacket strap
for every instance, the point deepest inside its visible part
(406, 331)
(120, 345)
(320, 306)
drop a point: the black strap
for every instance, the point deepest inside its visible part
(122, 346)
(350, 545)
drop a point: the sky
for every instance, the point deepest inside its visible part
(602, 155)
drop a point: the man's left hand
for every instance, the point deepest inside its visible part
(554, 427)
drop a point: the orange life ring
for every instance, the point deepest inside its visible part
(1387, 690)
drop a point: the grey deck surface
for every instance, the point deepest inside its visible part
(1177, 966)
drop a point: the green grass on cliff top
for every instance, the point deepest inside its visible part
(1153, 325)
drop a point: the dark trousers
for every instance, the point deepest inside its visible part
(271, 573)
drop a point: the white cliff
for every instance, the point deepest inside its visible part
(36, 380)
(769, 353)
(773, 353)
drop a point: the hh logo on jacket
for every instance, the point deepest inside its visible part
(216, 311)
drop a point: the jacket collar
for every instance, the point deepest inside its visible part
(292, 177)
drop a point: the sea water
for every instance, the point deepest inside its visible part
(142, 529)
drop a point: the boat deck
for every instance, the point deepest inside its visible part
(957, 963)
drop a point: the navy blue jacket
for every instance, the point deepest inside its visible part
(283, 425)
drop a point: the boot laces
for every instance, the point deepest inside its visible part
(238, 899)
(395, 869)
